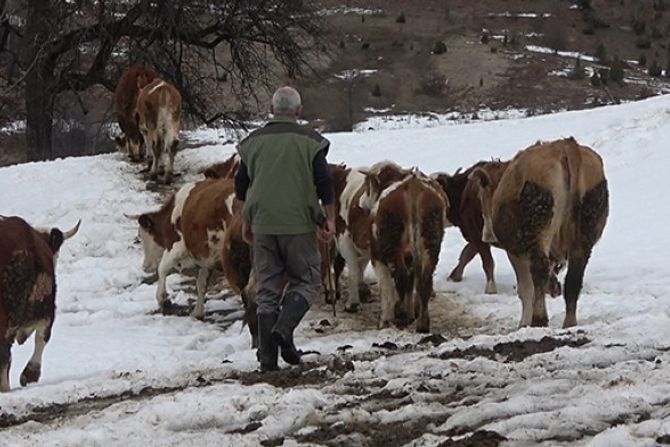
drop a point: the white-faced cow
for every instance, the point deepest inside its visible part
(552, 198)
(158, 115)
(188, 231)
(408, 222)
(354, 200)
(27, 291)
(125, 102)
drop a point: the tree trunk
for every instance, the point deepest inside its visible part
(39, 83)
(39, 112)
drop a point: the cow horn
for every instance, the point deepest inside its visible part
(132, 216)
(68, 234)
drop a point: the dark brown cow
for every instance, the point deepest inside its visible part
(408, 222)
(224, 169)
(125, 101)
(465, 212)
(158, 115)
(27, 291)
(552, 197)
(188, 231)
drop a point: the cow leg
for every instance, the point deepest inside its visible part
(338, 267)
(488, 264)
(387, 293)
(5, 363)
(468, 252)
(31, 373)
(169, 260)
(424, 288)
(201, 288)
(540, 273)
(525, 289)
(155, 160)
(169, 170)
(363, 289)
(351, 258)
(573, 284)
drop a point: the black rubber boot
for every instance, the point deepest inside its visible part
(293, 309)
(267, 345)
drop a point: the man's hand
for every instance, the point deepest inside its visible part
(327, 232)
(247, 236)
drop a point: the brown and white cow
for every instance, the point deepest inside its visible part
(465, 212)
(125, 101)
(552, 198)
(188, 231)
(225, 169)
(408, 222)
(354, 200)
(27, 291)
(158, 115)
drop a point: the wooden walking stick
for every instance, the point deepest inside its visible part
(329, 280)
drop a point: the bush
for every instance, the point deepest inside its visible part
(639, 26)
(642, 60)
(601, 54)
(341, 45)
(656, 33)
(577, 71)
(484, 38)
(655, 69)
(433, 84)
(439, 47)
(616, 71)
(584, 5)
(401, 18)
(643, 43)
(377, 91)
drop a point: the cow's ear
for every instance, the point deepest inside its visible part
(55, 239)
(145, 221)
(481, 176)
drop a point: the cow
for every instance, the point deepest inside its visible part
(224, 169)
(408, 222)
(158, 116)
(125, 101)
(552, 201)
(188, 230)
(27, 291)
(465, 212)
(354, 200)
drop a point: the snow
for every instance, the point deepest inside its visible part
(107, 340)
(351, 10)
(571, 54)
(520, 15)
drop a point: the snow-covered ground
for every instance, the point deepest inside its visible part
(116, 374)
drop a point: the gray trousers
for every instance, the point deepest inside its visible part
(291, 260)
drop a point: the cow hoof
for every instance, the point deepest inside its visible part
(168, 179)
(198, 315)
(30, 374)
(364, 293)
(166, 307)
(491, 289)
(455, 277)
(352, 308)
(539, 322)
(422, 330)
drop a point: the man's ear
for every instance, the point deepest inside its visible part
(481, 176)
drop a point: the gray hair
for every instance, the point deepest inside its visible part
(286, 101)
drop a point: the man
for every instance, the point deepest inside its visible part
(281, 178)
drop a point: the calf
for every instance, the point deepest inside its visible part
(408, 222)
(354, 198)
(188, 231)
(552, 201)
(158, 115)
(465, 212)
(27, 291)
(125, 101)
(225, 169)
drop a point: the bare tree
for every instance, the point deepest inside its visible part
(49, 47)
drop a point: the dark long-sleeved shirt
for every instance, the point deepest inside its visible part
(322, 180)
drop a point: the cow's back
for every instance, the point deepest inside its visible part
(127, 90)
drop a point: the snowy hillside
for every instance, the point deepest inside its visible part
(116, 373)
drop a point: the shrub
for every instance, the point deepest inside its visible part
(642, 60)
(639, 26)
(376, 91)
(616, 71)
(433, 84)
(643, 43)
(655, 69)
(601, 53)
(577, 71)
(439, 47)
(401, 18)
